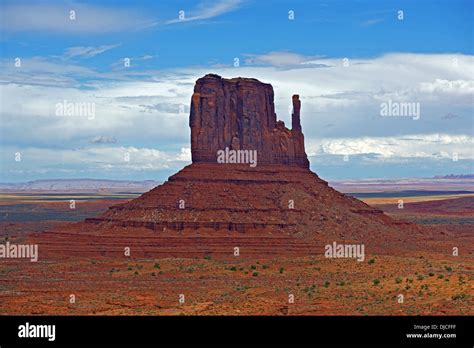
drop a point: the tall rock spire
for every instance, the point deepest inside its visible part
(295, 116)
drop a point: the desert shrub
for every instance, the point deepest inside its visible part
(376, 282)
(459, 297)
(310, 289)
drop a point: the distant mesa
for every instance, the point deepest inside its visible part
(455, 176)
(79, 185)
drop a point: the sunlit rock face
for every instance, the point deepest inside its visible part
(239, 114)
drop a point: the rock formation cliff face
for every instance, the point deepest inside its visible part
(239, 114)
(278, 207)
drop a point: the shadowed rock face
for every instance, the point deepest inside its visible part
(240, 114)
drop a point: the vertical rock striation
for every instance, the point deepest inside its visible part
(239, 114)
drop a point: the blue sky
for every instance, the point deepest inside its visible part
(426, 57)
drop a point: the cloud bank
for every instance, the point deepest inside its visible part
(146, 112)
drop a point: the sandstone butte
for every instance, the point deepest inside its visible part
(279, 207)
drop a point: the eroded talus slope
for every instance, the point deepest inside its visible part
(213, 208)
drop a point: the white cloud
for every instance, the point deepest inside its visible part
(280, 59)
(433, 146)
(28, 113)
(208, 9)
(447, 86)
(87, 52)
(340, 107)
(105, 158)
(56, 17)
(184, 155)
(40, 71)
(103, 139)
